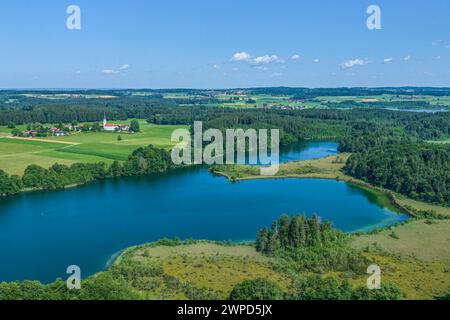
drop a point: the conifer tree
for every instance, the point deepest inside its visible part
(315, 230)
(303, 230)
(262, 240)
(294, 232)
(283, 229)
(274, 240)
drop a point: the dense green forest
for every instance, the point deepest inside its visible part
(419, 171)
(307, 244)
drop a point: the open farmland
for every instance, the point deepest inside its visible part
(17, 154)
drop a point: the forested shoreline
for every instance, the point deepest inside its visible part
(418, 171)
(142, 161)
(359, 131)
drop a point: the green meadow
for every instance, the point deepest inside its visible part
(17, 154)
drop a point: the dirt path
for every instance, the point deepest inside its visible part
(44, 140)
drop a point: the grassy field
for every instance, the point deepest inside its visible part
(418, 280)
(423, 240)
(324, 168)
(322, 101)
(414, 256)
(218, 268)
(17, 154)
(212, 267)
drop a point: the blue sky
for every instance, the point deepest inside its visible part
(220, 44)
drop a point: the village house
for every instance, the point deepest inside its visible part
(29, 133)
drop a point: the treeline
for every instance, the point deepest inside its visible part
(409, 105)
(313, 287)
(82, 110)
(294, 124)
(300, 245)
(420, 171)
(295, 232)
(142, 161)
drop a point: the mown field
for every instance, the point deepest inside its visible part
(259, 100)
(17, 154)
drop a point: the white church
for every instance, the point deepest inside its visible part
(111, 127)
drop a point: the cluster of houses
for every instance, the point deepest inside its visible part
(39, 129)
(66, 129)
(281, 107)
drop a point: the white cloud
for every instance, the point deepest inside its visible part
(241, 56)
(316, 60)
(295, 57)
(114, 71)
(407, 58)
(387, 60)
(266, 59)
(353, 63)
(109, 71)
(276, 74)
(260, 60)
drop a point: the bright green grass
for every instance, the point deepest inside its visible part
(64, 155)
(104, 150)
(17, 147)
(16, 155)
(6, 130)
(150, 134)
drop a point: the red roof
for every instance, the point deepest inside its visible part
(109, 124)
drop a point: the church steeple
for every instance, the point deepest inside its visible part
(104, 119)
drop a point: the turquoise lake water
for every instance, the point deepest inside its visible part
(42, 233)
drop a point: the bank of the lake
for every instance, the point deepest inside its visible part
(87, 225)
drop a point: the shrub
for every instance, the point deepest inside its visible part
(257, 289)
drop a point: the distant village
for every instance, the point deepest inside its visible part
(40, 130)
(280, 107)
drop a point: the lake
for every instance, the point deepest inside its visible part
(42, 233)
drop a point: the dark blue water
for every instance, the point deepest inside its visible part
(42, 233)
